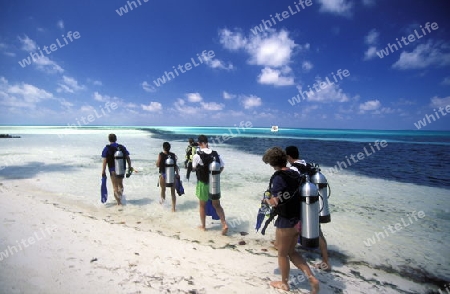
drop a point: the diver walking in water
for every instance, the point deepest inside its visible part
(200, 164)
(117, 173)
(161, 163)
(190, 152)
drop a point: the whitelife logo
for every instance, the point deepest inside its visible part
(411, 38)
(53, 47)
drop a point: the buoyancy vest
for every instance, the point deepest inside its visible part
(202, 171)
(162, 161)
(289, 203)
(110, 154)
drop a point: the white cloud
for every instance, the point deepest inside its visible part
(227, 95)
(370, 53)
(147, 87)
(372, 37)
(211, 106)
(250, 101)
(10, 54)
(370, 105)
(44, 64)
(98, 97)
(437, 102)
(105, 98)
(232, 40)
(270, 48)
(194, 97)
(424, 55)
(152, 107)
(60, 24)
(27, 44)
(216, 63)
(70, 85)
(307, 66)
(270, 76)
(338, 7)
(446, 81)
(329, 92)
(21, 95)
(186, 110)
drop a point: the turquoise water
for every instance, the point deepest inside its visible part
(419, 157)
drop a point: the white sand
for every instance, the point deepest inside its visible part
(129, 259)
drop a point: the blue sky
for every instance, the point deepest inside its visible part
(309, 64)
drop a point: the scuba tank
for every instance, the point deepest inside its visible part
(321, 182)
(170, 171)
(310, 214)
(214, 180)
(119, 163)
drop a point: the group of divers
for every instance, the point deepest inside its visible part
(296, 196)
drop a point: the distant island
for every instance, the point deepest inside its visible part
(8, 136)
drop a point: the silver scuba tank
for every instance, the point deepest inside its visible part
(214, 180)
(321, 182)
(310, 215)
(170, 171)
(119, 163)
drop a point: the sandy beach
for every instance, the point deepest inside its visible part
(56, 236)
(62, 247)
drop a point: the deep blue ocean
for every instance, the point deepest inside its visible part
(418, 157)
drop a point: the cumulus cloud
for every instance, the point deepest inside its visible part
(27, 44)
(69, 85)
(250, 101)
(21, 95)
(270, 76)
(105, 98)
(232, 40)
(216, 63)
(270, 49)
(227, 95)
(435, 54)
(330, 92)
(371, 39)
(152, 107)
(437, 102)
(307, 66)
(212, 106)
(47, 65)
(337, 7)
(370, 105)
(194, 97)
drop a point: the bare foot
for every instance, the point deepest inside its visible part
(314, 285)
(323, 266)
(202, 228)
(225, 230)
(161, 200)
(280, 285)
